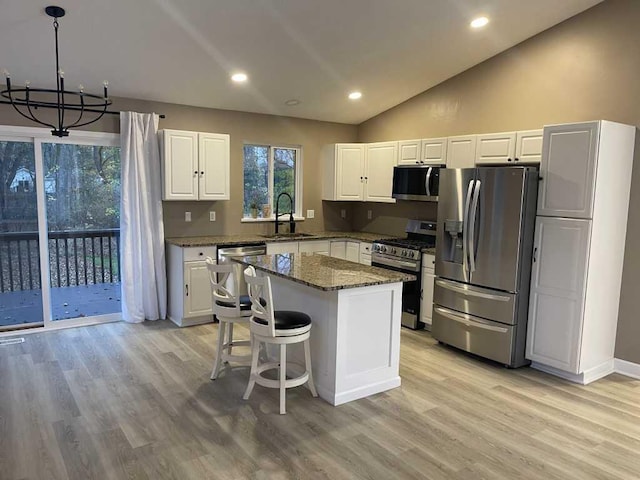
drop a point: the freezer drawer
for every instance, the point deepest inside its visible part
(481, 302)
(472, 334)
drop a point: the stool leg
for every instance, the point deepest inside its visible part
(307, 361)
(282, 376)
(218, 360)
(230, 341)
(255, 346)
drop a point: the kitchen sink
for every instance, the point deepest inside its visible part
(288, 235)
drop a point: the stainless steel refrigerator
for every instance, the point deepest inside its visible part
(484, 248)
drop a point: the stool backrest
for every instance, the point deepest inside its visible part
(262, 320)
(225, 302)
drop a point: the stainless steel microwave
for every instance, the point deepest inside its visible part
(416, 182)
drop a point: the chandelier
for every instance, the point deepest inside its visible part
(72, 104)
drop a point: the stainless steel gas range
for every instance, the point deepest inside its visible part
(405, 255)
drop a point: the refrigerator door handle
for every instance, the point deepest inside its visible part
(427, 181)
(469, 323)
(465, 224)
(470, 292)
(472, 227)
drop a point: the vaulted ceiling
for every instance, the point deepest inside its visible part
(313, 51)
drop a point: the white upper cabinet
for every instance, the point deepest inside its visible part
(495, 148)
(409, 152)
(213, 149)
(195, 166)
(180, 165)
(461, 151)
(359, 171)
(529, 146)
(434, 151)
(568, 170)
(378, 179)
(343, 171)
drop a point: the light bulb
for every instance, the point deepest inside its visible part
(81, 88)
(6, 73)
(61, 73)
(27, 84)
(355, 95)
(105, 83)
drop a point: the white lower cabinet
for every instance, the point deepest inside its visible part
(338, 249)
(365, 253)
(558, 281)
(314, 246)
(188, 285)
(426, 298)
(282, 247)
(352, 252)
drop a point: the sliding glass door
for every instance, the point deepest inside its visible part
(59, 230)
(82, 191)
(21, 302)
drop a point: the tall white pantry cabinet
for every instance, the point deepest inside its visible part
(581, 225)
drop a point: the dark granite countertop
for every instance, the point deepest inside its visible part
(255, 239)
(323, 272)
(430, 250)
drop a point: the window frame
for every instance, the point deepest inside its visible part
(297, 214)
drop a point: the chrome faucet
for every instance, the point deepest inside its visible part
(292, 223)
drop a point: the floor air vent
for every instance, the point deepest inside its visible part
(10, 341)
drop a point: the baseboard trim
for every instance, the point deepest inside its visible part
(583, 378)
(629, 369)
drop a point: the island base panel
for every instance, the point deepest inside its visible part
(355, 337)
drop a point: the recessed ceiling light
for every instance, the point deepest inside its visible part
(292, 102)
(479, 22)
(355, 95)
(239, 77)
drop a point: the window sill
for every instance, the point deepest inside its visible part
(284, 219)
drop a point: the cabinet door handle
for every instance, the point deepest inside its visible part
(187, 288)
(508, 159)
(535, 251)
(516, 159)
(201, 173)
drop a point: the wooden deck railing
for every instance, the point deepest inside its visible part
(79, 257)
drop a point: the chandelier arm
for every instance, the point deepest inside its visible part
(94, 120)
(77, 122)
(28, 117)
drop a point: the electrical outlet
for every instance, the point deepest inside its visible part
(212, 216)
(187, 216)
(343, 213)
(311, 213)
(369, 214)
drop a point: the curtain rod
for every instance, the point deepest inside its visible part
(90, 110)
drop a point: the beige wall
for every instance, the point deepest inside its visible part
(586, 68)
(242, 127)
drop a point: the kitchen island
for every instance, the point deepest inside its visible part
(355, 311)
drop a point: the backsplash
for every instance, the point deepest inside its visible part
(391, 218)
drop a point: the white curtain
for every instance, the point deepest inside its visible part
(144, 280)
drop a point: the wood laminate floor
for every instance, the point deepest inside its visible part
(121, 401)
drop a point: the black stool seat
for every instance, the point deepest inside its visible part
(245, 303)
(287, 320)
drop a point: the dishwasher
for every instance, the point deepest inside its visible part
(226, 252)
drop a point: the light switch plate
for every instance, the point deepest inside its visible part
(187, 216)
(212, 216)
(369, 214)
(343, 213)
(311, 213)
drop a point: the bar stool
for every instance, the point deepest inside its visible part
(280, 327)
(229, 308)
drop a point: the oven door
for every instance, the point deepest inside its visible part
(410, 290)
(416, 182)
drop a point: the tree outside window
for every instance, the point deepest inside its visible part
(269, 171)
